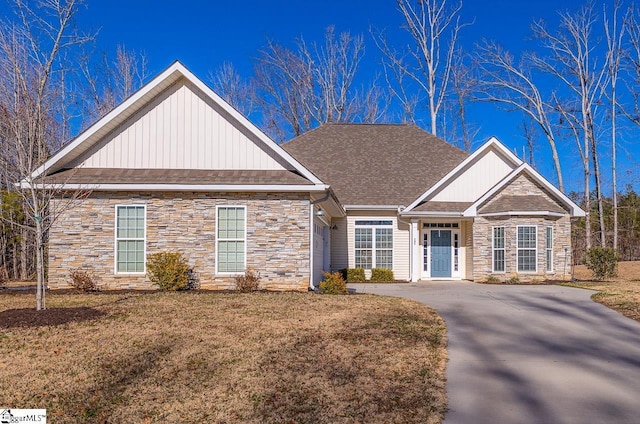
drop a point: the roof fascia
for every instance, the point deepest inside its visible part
(184, 187)
(493, 142)
(527, 213)
(370, 208)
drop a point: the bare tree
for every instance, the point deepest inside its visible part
(32, 70)
(503, 80)
(433, 26)
(615, 33)
(298, 89)
(109, 81)
(237, 91)
(574, 62)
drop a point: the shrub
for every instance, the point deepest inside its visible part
(514, 280)
(492, 279)
(602, 261)
(84, 280)
(169, 270)
(381, 275)
(247, 282)
(333, 283)
(353, 275)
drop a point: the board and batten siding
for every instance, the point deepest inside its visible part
(181, 129)
(476, 180)
(401, 236)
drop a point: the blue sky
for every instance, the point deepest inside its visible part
(204, 34)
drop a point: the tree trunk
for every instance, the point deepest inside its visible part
(24, 255)
(40, 294)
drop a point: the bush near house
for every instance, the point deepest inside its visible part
(353, 275)
(333, 283)
(602, 262)
(84, 280)
(169, 270)
(381, 275)
(247, 282)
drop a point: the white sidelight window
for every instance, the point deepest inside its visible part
(130, 238)
(231, 240)
(374, 244)
(498, 249)
(549, 249)
(527, 249)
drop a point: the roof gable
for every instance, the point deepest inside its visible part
(524, 191)
(174, 122)
(473, 177)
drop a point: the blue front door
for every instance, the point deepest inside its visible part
(440, 253)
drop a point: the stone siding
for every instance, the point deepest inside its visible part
(277, 237)
(483, 252)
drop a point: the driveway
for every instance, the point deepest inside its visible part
(532, 354)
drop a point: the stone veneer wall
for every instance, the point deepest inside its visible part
(482, 247)
(483, 238)
(277, 237)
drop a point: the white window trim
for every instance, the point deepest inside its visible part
(548, 249)
(494, 249)
(115, 240)
(373, 241)
(218, 207)
(518, 249)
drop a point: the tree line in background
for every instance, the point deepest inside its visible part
(575, 92)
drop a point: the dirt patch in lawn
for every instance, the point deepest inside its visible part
(29, 317)
(227, 358)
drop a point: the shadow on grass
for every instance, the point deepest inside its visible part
(29, 317)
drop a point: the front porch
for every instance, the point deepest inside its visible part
(441, 249)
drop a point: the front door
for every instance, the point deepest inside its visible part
(440, 253)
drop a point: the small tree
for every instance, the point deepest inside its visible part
(602, 261)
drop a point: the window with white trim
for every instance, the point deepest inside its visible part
(527, 249)
(130, 238)
(231, 231)
(549, 249)
(374, 244)
(498, 244)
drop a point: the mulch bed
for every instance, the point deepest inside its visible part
(29, 317)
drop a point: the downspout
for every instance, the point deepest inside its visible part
(400, 208)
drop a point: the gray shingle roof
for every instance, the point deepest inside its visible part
(516, 203)
(443, 207)
(375, 164)
(91, 176)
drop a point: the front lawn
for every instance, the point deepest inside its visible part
(226, 358)
(620, 295)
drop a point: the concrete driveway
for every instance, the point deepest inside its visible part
(532, 354)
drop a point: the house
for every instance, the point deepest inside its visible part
(174, 167)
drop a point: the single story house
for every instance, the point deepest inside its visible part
(174, 167)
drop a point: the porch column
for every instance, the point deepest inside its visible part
(415, 251)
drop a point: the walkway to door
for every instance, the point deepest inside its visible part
(532, 354)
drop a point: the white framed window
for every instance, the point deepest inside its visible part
(549, 249)
(374, 244)
(498, 244)
(130, 239)
(231, 239)
(527, 246)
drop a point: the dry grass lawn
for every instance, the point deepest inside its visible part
(225, 358)
(621, 294)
